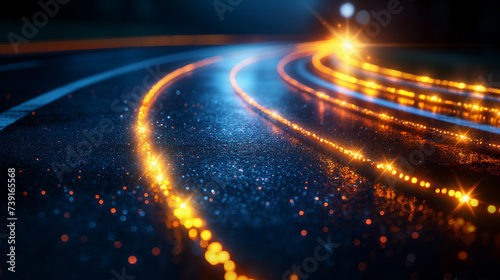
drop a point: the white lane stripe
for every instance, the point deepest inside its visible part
(19, 66)
(14, 114)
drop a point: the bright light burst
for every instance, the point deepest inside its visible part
(347, 45)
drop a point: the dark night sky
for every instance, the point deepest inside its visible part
(421, 21)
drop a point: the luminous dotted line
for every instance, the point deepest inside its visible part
(157, 173)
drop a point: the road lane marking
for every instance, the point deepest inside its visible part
(16, 113)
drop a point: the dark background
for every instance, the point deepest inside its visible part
(422, 21)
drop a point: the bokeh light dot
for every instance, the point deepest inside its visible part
(64, 237)
(155, 251)
(362, 17)
(132, 259)
(347, 10)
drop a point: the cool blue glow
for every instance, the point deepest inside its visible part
(347, 10)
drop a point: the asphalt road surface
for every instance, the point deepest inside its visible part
(282, 204)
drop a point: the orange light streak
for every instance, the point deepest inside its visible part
(398, 175)
(158, 174)
(137, 42)
(417, 78)
(321, 95)
(320, 66)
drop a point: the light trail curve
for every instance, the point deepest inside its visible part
(339, 102)
(302, 70)
(157, 172)
(320, 66)
(397, 175)
(418, 78)
(337, 62)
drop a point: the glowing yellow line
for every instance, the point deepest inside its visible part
(321, 95)
(157, 172)
(352, 153)
(318, 64)
(274, 115)
(398, 175)
(417, 78)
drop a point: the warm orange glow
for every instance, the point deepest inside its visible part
(206, 235)
(302, 51)
(215, 247)
(230, 275)
(132, 259)
(223, 257)
(155, 251)
(462, 255)
(423, 79)
(193, 233)
(64, 237)
(295, 83)
(134, 42)
(317, 61)
(157, 172)
(474, 202)
(185, 215)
